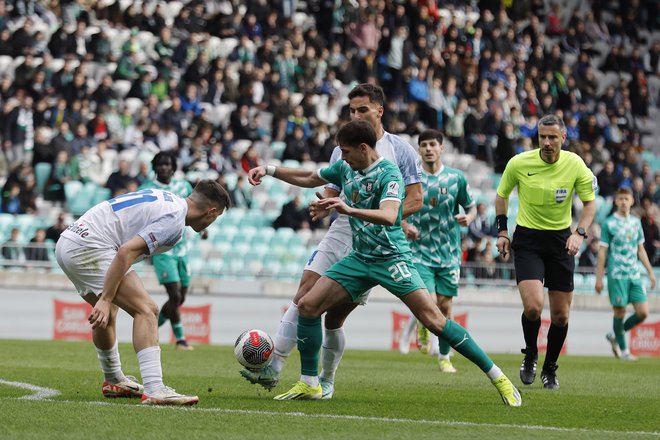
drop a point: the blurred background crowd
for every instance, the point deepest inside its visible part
(91, 90)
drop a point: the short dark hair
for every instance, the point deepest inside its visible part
(551, 119)
(429, 135)
(624, 190)
(374, 92)
(355, 133)
(164, 154)
(210, 194)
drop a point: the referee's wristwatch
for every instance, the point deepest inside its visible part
(581, 232)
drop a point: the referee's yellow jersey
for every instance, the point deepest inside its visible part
(546, 190)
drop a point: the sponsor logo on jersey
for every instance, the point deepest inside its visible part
(79, 229)
(594, 183)
(355, 196)
(153, 239)
(561, 194)
(393, 189)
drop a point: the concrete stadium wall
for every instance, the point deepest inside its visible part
(493, 316)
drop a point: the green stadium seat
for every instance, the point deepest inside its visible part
(101, 194)
(278, 148)
(42, 172)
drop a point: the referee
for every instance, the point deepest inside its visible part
(544, 247)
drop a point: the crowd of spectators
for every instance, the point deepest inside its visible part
(95, 87)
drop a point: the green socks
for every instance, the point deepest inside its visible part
(177, 329)
(619, 332)
(162, 319)
(310, 338)
(632, 321)
(462, 342)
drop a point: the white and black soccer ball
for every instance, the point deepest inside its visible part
(253, 349)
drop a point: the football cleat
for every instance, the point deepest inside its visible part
(184, 345)
(628, 357)
(267, 377)
(508, 392)
(167, 396)
(528, 366)
(446, 366)
(404, 342)
(302, 391)
(128, 387)
(423, 338)
(549, 377)
(327, 387)
(616, 350)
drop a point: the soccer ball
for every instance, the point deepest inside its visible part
(253, 349)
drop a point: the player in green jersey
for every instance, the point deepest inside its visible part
(435, 231)
(622, 246)
(171, 267)
(374, 192)
(544, 246)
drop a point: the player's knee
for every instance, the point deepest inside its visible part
(306, 309)
(334, 320)
(533, 312)
(560, 320)
(642, 315)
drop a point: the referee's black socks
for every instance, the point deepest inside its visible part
(530, 332)
(556, 338)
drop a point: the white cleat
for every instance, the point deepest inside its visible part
(167, 396)
(128, 387)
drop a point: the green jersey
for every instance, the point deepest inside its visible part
(622, 236)
(439, 243)
(546, 190)
(183, 189)
(367, 189)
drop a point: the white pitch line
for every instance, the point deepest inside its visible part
(371, 419)
(38, 393)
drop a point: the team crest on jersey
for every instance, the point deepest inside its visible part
(369, 187)
(561, 194)
(355, 196)
(444, 190)
(433, 201)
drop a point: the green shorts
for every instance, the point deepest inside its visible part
(625, 291)
(356, 275)
(171, 269)
(440, 280)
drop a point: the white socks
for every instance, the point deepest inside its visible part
(494, 373)
(110, 363)
(150, 369)
(334, 344)
(286, 337)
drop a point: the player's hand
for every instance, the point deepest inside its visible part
(100, 314)
(255, 175)
(335, 203)
(412, 233)
(652, 278)
(573, 244)
(317, 211)
(503, 246)
(462, 219)
(599, 285)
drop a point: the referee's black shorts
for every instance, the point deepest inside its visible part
(542, 255)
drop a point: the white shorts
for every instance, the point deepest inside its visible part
(335, 246)
(85, 267)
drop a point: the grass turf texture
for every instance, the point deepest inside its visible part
(381, 395)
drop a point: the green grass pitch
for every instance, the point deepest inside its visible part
(382, 395)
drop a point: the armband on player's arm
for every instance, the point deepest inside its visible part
(270, 170)
(502, 223)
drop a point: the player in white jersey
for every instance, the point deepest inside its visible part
(97, 251)
(365, 103)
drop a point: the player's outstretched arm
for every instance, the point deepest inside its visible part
(126, 255)
(386, 214)
(302, 178)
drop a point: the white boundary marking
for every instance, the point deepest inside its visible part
(38, 393)
(45, 394)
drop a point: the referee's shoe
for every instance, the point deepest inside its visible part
(528, 366)
(549, 376)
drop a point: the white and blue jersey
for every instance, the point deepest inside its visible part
(155, 215)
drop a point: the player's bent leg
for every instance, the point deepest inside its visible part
(334, 344)
(560, 305)
(406, 332)
(445, 303)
